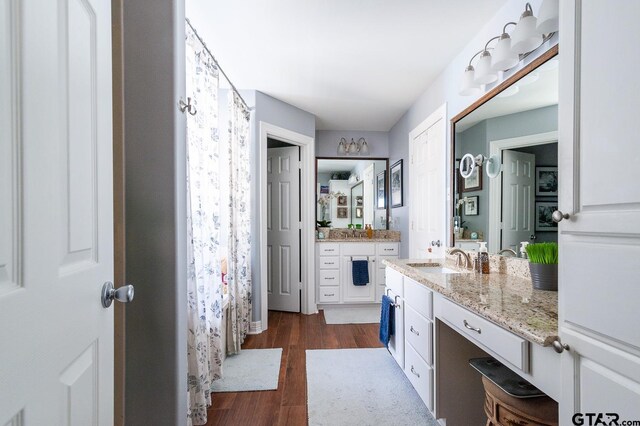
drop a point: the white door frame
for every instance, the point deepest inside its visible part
(439, 114)
(307, 148)
(495, 188)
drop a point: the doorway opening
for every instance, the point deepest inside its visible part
(284, 226)
(301, 220)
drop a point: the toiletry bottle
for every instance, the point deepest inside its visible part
(523, 249)
(483, 255)
(369, 232)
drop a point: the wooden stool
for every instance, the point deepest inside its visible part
(503, 409)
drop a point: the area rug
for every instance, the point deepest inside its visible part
(361, 387)
(250, 370)
(352, 315)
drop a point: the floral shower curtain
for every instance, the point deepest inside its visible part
(204, 343)
(239, 277)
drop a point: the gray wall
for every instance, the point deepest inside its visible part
(476, 140)
(327, 142)
(155, 211)
(273, 111)
(445, 89)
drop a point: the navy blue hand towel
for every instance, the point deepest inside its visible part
(387, 315)
(360, 272)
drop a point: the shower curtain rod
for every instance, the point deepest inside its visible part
(218, 65)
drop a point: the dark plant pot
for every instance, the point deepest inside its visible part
(544, 276)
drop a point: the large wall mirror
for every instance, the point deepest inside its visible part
(507, 147)
(352, 192)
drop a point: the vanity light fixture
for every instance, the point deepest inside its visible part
(352, 148)
(529, 33)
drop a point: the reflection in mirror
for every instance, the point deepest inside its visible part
(519, 127)
(352, 192)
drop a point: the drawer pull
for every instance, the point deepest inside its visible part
(415, 372)
(329, 250)
(329, 294)
(388, 249)
(414, 331)
(328, 263)
(466, 324)
(329, 278)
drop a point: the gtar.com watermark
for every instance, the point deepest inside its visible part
(601, 419)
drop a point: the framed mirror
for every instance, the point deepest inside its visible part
(505, 162)
(352, 191)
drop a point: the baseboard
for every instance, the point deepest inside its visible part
(255, 327)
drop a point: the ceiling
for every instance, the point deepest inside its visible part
(537, 89)
(354, 64)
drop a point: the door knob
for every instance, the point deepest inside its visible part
(124, 294)
(559, 347)
(435, 243)
(557, 216)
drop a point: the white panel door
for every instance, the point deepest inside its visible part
(56, 220)
(600, 241)
(368, 176)
(518, 198)
(283, 229)
(427, 187)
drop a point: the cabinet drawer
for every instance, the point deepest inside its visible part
(393, 280)
(420, 375)
(419, 297)
(512, 348)
(329, 277)
(328, 249)
(329, 294)
(358, 249)
(419, 331)
(381, 258)
(329, 262)
(387, 249)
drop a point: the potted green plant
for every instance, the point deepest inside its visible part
(324, 227)
(543, 265)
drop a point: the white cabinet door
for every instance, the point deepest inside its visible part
(396, 342)
(56, 213)
(600, 242)
(357, 293)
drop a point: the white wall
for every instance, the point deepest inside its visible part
(445, 89)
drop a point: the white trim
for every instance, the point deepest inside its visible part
(439, 114)
(495, 188)
(307, 145)
(255, 327)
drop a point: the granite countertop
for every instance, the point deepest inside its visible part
(358, 240)
(507, 300)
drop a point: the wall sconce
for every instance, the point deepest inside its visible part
(468, 164)
(529, 33)
(353, 148)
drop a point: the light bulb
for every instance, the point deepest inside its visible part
(525, 36)
(468, 87)
(484, 73)
(503, 58)
(548, 21)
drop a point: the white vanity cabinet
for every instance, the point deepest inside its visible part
(395, 290)
(334, 271)
(418, 338)
(412, 343)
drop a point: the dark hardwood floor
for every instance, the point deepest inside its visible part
(294, 333)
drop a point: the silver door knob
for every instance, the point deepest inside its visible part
(557, 216)
(124, 294)
(436, 243)
(559, 347)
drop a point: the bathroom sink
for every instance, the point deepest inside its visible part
(433, 268)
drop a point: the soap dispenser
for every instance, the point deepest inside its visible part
(483, 258)
(523, 249)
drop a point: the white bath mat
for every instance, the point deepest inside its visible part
(250, 370)
(353, 315)
(361, 387)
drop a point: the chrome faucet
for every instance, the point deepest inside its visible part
(460, 253)
(513, 252)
